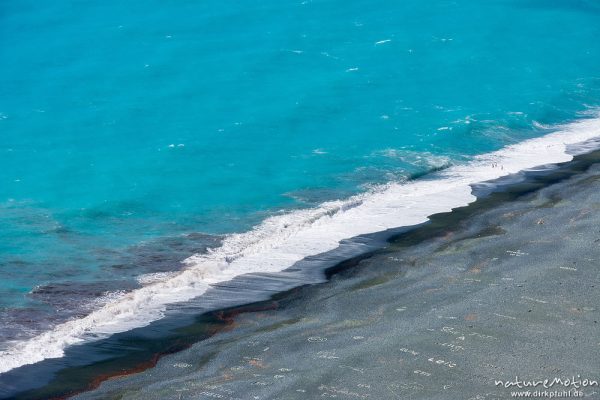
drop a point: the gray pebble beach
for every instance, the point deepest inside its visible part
(507, 288)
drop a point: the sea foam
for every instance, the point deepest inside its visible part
(280, 241)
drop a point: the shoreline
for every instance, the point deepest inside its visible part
(374, 327)
(281, 242)
(410, 237)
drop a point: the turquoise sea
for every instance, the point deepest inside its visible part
(136, 134)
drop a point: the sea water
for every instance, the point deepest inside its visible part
(138, 139)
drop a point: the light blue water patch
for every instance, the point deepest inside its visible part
(127, 124)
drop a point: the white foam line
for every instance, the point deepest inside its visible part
(280, 241)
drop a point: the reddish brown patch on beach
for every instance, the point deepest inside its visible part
(226, 316)
(476, 269)
(256, 363)
(95, 383)
(471, 317)
(227, 377)
(448, 235)
(139, 368)
(229, 316)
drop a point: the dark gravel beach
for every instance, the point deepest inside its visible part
(507, 287)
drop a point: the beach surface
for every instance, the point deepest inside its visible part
(505, 289)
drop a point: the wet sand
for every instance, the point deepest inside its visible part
(508, 286)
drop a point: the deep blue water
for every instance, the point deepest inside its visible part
(134, 134)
